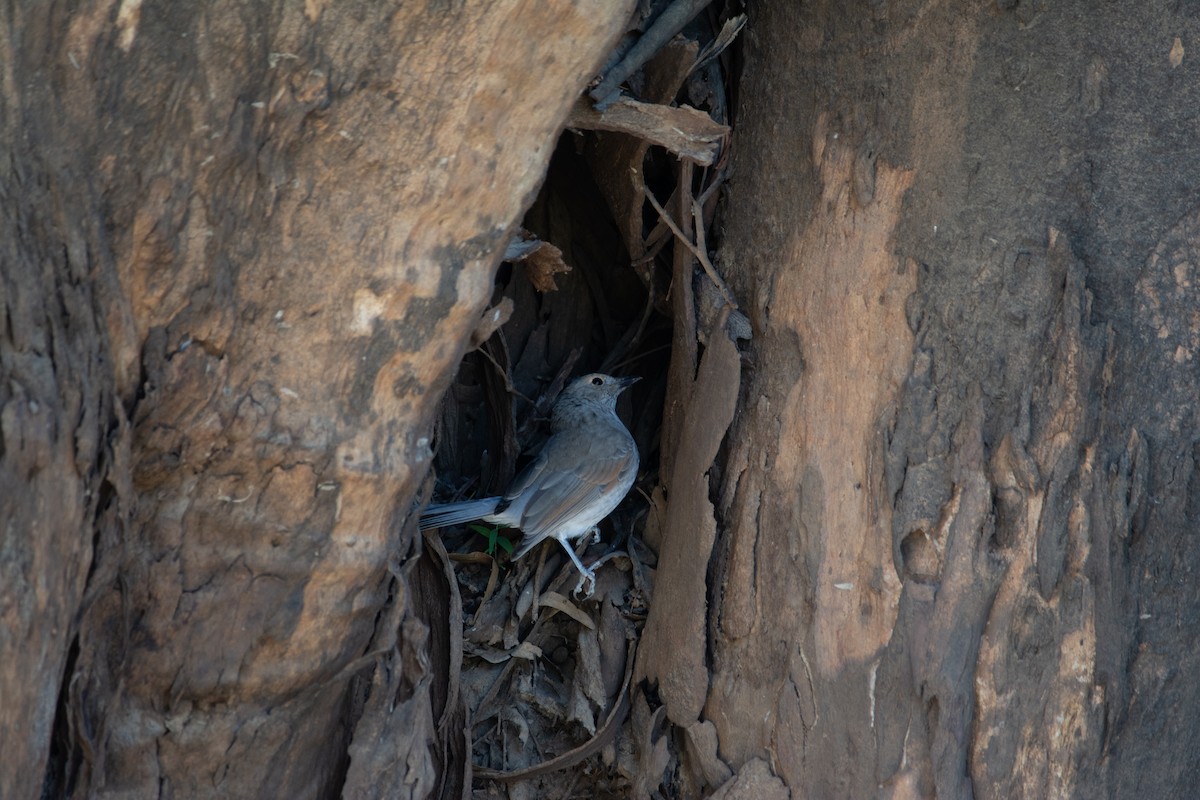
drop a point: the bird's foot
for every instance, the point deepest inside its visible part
(588, 578)
(595, 532)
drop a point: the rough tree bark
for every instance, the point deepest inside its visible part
(958, 501)
(244, 246)
(949, 548)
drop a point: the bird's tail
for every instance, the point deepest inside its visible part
(439, 516)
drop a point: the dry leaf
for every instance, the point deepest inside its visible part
(542, 265)
(493, 655)
(542, 260)
(587, 688)
(580, 710)
(651, 747)
(559, 603)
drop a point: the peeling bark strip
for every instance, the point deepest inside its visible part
(269, 230)
(845, 297)
(675, 657)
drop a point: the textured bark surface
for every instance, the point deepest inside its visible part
(952, 523)
(958, 504)
(263, 233)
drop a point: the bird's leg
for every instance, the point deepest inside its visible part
(595, 532)
(586, 575)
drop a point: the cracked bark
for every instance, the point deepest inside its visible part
(957, 500)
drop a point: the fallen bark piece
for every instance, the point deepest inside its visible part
(683, 130)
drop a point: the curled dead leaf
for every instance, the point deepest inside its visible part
(559, 603)
(542, 265)
(542, 260)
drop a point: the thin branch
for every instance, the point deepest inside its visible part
(700, 255)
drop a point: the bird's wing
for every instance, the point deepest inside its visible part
(569, 475)
(531, 475)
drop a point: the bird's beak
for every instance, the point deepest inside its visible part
(625, 383)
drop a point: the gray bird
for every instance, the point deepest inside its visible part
(581, 474)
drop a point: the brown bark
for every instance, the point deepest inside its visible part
(957, 502)
(265, 233)
(940, 546)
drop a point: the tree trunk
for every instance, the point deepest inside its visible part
(931, 533)
(243, 247)
(958, 501)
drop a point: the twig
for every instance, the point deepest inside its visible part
(700, 256)
(508, 384)
(627, 341)
(698, 218)
(620, 365)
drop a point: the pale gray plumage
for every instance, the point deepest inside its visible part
(581, 474)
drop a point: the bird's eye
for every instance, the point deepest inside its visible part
(597, 381)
